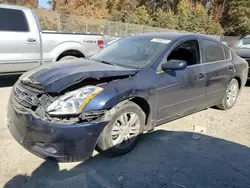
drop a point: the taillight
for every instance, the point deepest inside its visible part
(100, 43)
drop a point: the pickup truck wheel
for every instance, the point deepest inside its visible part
(67, 57)
(123, 131)
(230, 95)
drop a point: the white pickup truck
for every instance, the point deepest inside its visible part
(23, 45)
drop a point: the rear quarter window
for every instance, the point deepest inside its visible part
(211, 51)
(13, 20)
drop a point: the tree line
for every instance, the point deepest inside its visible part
(228, 17)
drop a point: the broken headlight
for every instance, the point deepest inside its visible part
(72, 103)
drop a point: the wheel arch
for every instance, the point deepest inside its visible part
(142, 103)
(71, 52)
(66, 47)
(139, 101)
(239, 81)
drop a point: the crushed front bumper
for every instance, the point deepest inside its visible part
(65, 143)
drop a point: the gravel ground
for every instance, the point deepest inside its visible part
(206, 149)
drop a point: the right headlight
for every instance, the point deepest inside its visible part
(72, 103)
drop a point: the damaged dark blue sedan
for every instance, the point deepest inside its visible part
(67, 109)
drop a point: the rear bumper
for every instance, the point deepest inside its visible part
(64, 143)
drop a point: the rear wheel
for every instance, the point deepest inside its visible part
(68, 57)
(230, 95)
(123, 131)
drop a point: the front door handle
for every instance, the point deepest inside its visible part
(31, 41)
(201, 76)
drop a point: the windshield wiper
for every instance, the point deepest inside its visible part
(108, 63)
(114, 64)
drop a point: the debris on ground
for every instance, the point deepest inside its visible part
(199, 129)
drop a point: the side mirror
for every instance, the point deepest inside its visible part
(174, 64)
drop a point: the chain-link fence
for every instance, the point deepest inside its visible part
(70, 23)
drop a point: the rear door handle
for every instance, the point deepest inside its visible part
(31, 41)
(201, 76)
(231, 67)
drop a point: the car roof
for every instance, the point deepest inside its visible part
(6, 6)
(163, 35)
(172, 35)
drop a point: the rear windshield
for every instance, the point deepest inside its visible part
(132, 52)
(243, 43)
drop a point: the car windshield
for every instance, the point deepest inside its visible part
(132, 52)
(243, 43)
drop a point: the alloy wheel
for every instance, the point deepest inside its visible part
(125, 130)
(232, 93)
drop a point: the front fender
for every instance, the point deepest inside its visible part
(112, 94)
(120, 90)
(142, 85)
(59, 49)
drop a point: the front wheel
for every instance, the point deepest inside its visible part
(230, 95)
(123, 131)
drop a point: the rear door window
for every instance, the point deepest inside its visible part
(211, 51)
(13, 20)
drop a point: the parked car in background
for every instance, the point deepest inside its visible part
(68, 109)
(242, 48)
(23, 45)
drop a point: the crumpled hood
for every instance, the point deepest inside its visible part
(60, 75)
(245, 53)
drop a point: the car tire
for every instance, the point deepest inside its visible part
(110, 142)
(230, 96)
(67, 57)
